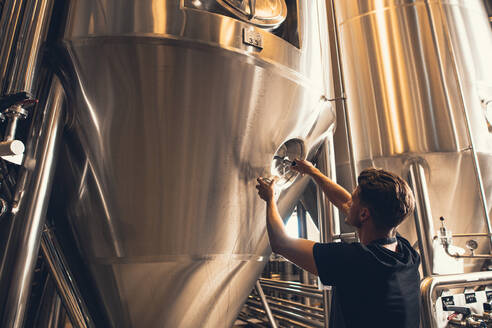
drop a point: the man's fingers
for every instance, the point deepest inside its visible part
(261, 182)
(265, 182)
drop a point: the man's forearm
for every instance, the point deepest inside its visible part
(275, 226)
(297, 250)
(335, 193)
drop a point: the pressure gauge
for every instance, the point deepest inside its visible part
(472, 245)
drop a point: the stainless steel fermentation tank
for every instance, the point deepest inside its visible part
(418, 82)
(174, 108)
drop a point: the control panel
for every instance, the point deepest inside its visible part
(467, 309)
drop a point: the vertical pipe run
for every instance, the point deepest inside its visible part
(338, 86)
(11, 129)
(48, 313)
(302, 227)
(329, 222)
(328, 219)
(54, 313)
(264, 301)
(9, 25)
(31, 201)
(32, 34)
(24, 25)
(64, 281)
(423, 216)
(301, 220)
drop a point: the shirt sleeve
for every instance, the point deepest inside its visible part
(335, 262)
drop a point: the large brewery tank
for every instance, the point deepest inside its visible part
(176, 107)
(419, 92)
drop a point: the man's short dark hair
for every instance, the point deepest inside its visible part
(388, 197)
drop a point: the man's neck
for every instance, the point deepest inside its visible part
(368, 234)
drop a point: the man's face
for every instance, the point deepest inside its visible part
(353, 217)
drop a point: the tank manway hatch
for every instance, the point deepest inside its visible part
(263, 13)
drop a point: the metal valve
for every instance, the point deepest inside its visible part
(4, 206)
(445, 235)
(14, 104)
(467, 323)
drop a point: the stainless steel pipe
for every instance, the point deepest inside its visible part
(279, 313)
(31, 202)
(48, 313)
(307, 290)
(9, 25)
(328, 218)
(292, 284)
(302, 229)
(423, 216)
(68, 291)
(32, 34)
(473, 234)
(310, 309)
(339, 95)
(266, 307)
(24, 25)
(54, 313)
(297, 310)
(314, 294)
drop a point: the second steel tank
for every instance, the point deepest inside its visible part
(419, 88)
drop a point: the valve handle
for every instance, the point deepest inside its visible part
(458, 309)
(25, 99)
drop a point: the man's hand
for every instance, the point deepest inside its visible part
(266, 188)
(304, 167)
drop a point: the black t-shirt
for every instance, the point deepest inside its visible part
(374, 287)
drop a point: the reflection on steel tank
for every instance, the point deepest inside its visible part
(419, 102)
(178, 106)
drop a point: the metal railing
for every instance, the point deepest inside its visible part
(286, 311)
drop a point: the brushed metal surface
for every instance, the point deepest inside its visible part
(174, 117)
(412, 70)
(31, 202)
(393, 77)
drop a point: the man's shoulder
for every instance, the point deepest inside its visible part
(338, 249)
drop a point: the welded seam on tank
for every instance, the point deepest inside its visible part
(178, 258)
(167, 39)
(418, 4)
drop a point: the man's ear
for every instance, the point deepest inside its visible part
(365, 214)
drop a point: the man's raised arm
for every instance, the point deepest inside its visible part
(296, 250)
(335, 193)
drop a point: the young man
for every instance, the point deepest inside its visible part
(377, 280)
